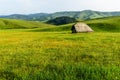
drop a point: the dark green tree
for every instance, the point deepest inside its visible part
(62, 20)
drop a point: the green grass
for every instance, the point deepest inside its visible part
(59, 55)
(56, 54)
(21, 24)
(110, 24)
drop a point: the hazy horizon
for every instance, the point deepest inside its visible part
(50, 6)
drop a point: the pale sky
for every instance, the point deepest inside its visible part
(50, 6)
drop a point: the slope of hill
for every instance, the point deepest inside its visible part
(21, 24)
(37, 16)
(110, 24)
(80, 15)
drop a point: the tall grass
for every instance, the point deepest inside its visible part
(59, 55)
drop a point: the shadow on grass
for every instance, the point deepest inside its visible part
(9, 75)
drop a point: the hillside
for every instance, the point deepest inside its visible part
(110, 24)
(21, 24)
(80, 15)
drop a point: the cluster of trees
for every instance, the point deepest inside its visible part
(62, 20)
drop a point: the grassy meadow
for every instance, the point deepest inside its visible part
(53, 53)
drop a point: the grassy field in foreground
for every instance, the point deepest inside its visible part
(59, 55)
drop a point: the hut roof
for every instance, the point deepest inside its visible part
(81, 27)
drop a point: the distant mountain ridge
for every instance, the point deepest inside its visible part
(80, 15)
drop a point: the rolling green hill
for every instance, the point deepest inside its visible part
(21, 24)
(110, 24)
(80, 15)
